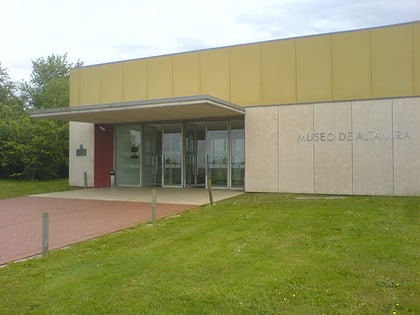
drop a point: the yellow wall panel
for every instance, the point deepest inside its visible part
(215, 73)
(186, 74)
(90, 85)
(245, 80)
(111, 83)
(160, 83)
(363, 64)
(351, 65)
(135, 80)
(313, 64)
(416, 38)
(392, 61)
(279, 72)
(74, 87)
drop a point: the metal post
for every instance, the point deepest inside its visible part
(210, 191)
(45, 232)
(153, 206)
(85, 184)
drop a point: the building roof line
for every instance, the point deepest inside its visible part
(251, 43)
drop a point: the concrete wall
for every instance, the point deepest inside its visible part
(82, 135)
(367, 147)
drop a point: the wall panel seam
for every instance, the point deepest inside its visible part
(100, 96)
(352, 149)
(370, 65)
(393, 147)
(278, 149)
(296, 74)
(200, 88)
(331, 68)
(121, 71)
(261, 76)
(313, 152)
(172, 76)
(147, 80)
(123, 80)
(413, 59)
(230, 75)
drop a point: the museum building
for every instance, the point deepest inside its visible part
(334, 113)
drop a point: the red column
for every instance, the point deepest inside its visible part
(104, 154)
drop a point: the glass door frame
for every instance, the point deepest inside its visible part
(204, 125)
(187, 170)
(135, 154)
(226, 164)
(229, 155)
(199, 178)
(181, 151)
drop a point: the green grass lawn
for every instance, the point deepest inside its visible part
(17, 188)
(252, 254)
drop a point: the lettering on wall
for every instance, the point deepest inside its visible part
(369, 135)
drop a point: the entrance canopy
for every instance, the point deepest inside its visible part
(172, 109)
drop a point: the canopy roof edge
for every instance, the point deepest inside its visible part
(177, 108)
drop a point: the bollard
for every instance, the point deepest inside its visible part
(210, 192)
(153, 206)
(85, 185)
(45, 232)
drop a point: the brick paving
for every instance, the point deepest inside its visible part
(70, 221)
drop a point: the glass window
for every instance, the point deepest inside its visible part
(128, 155)
(217, 144)
(237, 153)
(172, 155)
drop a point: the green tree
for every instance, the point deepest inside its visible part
(11, 146)
(7, 88)
(49, 84)
(48, 87)
(29, 148)
(11, 111)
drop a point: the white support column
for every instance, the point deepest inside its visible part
(81, 153)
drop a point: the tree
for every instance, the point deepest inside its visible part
(11, 111)
(7, 88)
(49, 85)
(11, 146)
(29, 148)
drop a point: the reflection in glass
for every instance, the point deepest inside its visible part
(217, 142)
(152, 161)
(128, 144)
(237, 154)
(165, 155)
(172, 155)
(195, 154)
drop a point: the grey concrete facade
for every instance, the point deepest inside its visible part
(369, 147)
(82, 135)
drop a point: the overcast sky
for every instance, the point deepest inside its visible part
(98, 31)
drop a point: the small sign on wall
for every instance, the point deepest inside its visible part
(81, 151)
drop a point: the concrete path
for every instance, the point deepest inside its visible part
(78, 215)
(191, 196)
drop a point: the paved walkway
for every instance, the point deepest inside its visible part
(190, 196)
(84, 214)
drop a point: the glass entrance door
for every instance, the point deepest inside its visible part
(218, 158)
(181, 155)
(152, 152)
(172, 155)
(128, 155)
(195, 154)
